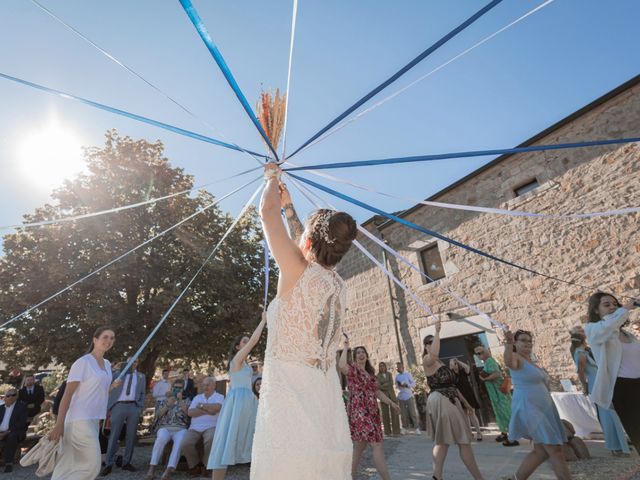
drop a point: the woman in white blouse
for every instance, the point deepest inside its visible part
(617, 354)
(82, 407)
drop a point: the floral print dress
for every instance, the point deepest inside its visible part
(364, 415)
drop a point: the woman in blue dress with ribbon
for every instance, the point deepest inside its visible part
(233, 439)
(615, 439)
(533, 414)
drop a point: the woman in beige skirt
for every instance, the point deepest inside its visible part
(446, 420)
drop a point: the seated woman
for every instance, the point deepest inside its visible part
(172, 423)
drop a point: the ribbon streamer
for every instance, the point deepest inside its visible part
(266, 274)
(431, 232)
(423, 77)
(133, 116)
(135, 356)
(472, 208)
(122, 208)
(131, 71)
(193, 15)
(108, 264)
(401, 72)
(294, 17)
(475, 153)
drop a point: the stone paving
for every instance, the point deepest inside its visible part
(409, 458)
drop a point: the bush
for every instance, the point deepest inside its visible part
(53, 381)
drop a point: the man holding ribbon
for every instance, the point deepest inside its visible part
(126, 403)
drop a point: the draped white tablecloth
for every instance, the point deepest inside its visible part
(579, 410)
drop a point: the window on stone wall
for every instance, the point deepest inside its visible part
(432, 262)
(527, 187)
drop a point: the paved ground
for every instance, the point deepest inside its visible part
(409, 458)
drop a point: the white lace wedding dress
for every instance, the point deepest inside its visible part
(302, 432)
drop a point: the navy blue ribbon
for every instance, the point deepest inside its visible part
(476, 153)
(133, 116)
(193, 15)
(426, 231)
(401, 72)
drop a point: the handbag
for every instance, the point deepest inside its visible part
(505, 386)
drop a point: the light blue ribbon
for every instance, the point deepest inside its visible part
(193, 15)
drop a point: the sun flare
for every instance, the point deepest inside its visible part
(50, 154)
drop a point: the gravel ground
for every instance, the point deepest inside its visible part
(409, 458)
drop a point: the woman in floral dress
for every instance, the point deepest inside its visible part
(364, 415)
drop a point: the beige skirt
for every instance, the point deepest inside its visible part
(447, 422)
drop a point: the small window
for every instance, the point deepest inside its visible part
(432, 262)
(527, 187)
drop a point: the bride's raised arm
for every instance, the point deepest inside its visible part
(286, 252)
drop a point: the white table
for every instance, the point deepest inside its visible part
(579, 410)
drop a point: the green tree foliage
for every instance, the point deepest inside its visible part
(132, 294)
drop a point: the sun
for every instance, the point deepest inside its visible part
(50, 154)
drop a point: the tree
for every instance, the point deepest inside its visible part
(132, 294)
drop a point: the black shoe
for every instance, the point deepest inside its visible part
(106, 471)
(119, 461)
(129, 468)
(507, 443)
(8, 468)
(501, 438)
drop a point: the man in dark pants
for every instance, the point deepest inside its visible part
(126, 403)
(13, 426)
(33, 395)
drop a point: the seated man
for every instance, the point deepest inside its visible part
(33, 395)
(13, 426)
(203, 411)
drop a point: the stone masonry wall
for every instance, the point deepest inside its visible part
(599, 253)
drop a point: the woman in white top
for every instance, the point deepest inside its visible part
(82, 407)
(617, 354)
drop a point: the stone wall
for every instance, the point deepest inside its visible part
(597, 253)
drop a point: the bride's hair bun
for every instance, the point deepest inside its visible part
(331, 234)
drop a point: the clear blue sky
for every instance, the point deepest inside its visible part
(507, 90)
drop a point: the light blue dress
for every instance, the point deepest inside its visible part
(233, 438)
(614, 436)
(533, 414)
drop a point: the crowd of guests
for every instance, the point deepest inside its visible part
(606, 354)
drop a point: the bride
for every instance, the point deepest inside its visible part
(302, 431)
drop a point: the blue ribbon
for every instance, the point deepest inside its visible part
(401, 72)
(427, 231)
(476, 153)
(133, 116)
(266, 274)
(193, 15)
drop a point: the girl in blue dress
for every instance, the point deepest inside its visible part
(233, 438)
(533, 413)
(615, 439)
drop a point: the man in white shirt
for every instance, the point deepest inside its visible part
(203, 411)
(405, 384)
(13, 426)
(126, 403)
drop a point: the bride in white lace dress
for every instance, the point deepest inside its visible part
(302, 431)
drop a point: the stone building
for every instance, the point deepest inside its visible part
(599, 253)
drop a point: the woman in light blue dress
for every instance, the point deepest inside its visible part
(533, 413)
(236, 425)
(615, 439)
